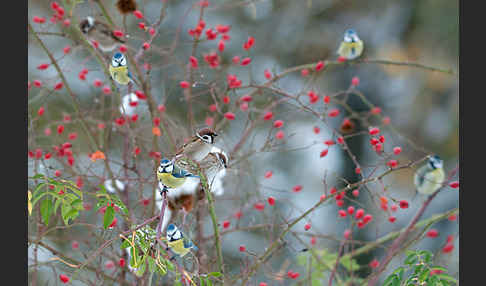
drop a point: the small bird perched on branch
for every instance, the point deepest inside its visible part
(171, 176)
(100, 32)
(430, 177)
(199, 145)
(119, 69)
(185, 196)
(351, 47)
(177, 242)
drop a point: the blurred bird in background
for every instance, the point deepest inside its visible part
(430, 177)
(351, 47)
(101, 33)
(177, 242)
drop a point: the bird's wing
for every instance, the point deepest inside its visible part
(341, 48)
(188, 243)
(419, 176)
(181, 173)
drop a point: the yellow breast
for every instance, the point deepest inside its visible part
(178, 247)
(170, 181)
(120, 74)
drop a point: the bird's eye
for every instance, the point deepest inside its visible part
(207, 138)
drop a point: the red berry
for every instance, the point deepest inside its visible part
(60, 129)
(118, 33)
(184, 84)
(448, 247)
(340, 203)
(374, 130)
(341, 59)
(229, 115)
(297, 188)
(392, 163)
(238, 214)
(123, 48)
(226, 224)
(66, 22)
(57, 173)
(58, 86)
(75, 244)
(194, 62)
(221, 45)
(386, 120)
(397, 150)
(41, 111)
(347, 233)
(342, 213)
(350, 210)
(259, 206)
(374, 263)
(392, 219)
(367, 218)
(333, 112)
(376, 110)
(242, 248)
(307, 226)
(121, 262)
(319, 66)
(278, 123)
(454, 184)
(271, 201)
(403, 204)
(226, 99)
(236, 59)
(138, 14)
(324, 153)
(245, 61)
(109, 264)
(39, 20)
(37, 83)
(340, 140)
(359, 214)
(304, 72)
(357, 170)
(106, 90)
(323, 197)
(268, 115)
(452, 217)
(355, 193)
(262, 284)
(146, 46)
(432, 233)
(268, 74)
(279, 135)
(268, 174)
(355, 81)
(63, 278)
(327, 99)
(66, 49)
(316, 130)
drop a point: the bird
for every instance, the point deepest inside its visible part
(430, 177)
(199, 146)
(119, 70)
(171, 176)
(351, 47)
(185, 197)
(177, 242)
(101, 33)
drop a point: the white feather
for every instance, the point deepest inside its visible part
(111, 188)
(125, 107)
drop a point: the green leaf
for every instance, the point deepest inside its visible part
(423, 276)
(411, 259)
(71, 214)
(446, 277)
(141, 269)
(151, 264)
(209, 282)
(170, 266)
(46, 210)
(38, 176)
(389, 280)
(56, 205)
(37, 198)
(215, 274)
(120, 204)
(125, 244)
(201, 281)
(77, 204)
(109, 216)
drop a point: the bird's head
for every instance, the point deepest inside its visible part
(166, 166)
(86, 24)
(435, 162)
(206, 135)
(350, 36)
(118, 60)
(173, 233)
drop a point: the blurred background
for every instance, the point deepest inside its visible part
(423, 107)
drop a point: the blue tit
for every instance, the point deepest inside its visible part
(171, 176)
(176, 241)
(351, 47)
(199, 146)
(430, 177)
(119, 69)
(101, 33)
